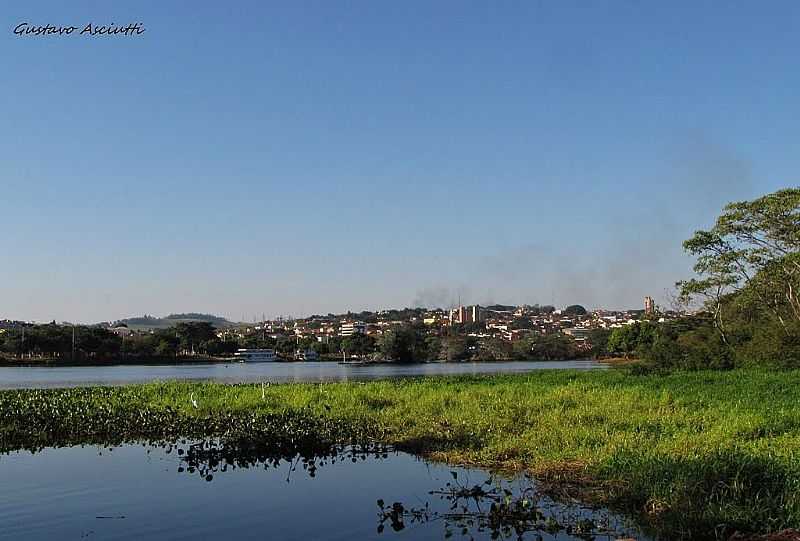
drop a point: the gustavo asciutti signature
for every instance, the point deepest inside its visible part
(90, 29)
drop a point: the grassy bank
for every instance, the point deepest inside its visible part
(695, 453)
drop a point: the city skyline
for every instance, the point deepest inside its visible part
(459, 313)
(271, 157)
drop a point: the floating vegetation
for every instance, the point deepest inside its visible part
(503, 511)
(34, 419)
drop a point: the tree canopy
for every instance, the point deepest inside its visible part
(753, 250)
(748, 281)
(575, 310)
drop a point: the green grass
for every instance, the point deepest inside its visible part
(696, 454)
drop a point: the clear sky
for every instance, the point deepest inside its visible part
(298, 157)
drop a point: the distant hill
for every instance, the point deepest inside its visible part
(152, 322)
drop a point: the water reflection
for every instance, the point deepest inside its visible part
(503, 509)
(20, 377)
(207, 458)
(205, 489)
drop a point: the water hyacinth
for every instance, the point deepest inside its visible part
(38, 418)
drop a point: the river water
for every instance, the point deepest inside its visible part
(278, 372)
(188, 491)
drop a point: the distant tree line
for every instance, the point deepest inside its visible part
(90, 343)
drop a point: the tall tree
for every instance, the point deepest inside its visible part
(404, 343)
(754, 247)
(194, 334)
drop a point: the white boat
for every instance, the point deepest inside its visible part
(255, 355)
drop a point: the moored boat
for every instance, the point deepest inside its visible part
(255, 355)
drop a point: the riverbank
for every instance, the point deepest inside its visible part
(618, 361)
(691, 453)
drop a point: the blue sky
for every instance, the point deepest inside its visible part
(306, 157)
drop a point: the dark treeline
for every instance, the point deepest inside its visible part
(183, 341)
(412, 342)
(98, 344)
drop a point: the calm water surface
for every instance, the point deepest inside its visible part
(143, 492)
(25, 377)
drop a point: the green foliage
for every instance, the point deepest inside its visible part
(358, 344)
(195, 335)
(521, 323)
(575, 310)
(770, 345)
(631, 339)
(598, 338)
(454, 348)
(748, 268)
(496, 349)
(61, 341)
(554, 347)
(537, 310)
(754, 248)
(405, 344)
(92, 344)
(548, 347)
(166, 348)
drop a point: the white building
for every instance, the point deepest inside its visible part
(351, 328)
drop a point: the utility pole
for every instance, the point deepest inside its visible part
(73, 342)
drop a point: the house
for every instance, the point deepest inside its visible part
(353, 327)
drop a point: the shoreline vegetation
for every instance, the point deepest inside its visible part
(700, 454)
